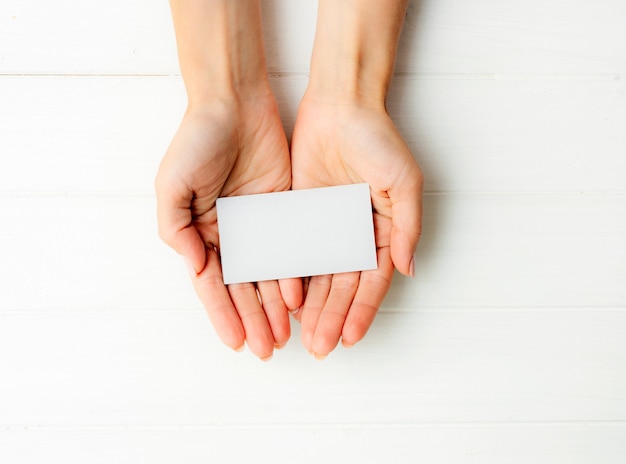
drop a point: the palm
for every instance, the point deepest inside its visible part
(344, 144)
(221, 150)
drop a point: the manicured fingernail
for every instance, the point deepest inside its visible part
(267, 358)
(319, 357)
(412, 267)
(347, 345)
(240, 349)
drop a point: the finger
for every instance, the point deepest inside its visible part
(291, 291)
(406, 219)
(382, 230)
(330, 324)
(305, 286)
(256, 327)
(275, 311)
(317, 293)
(174, 221)
(373, 286)
(297, 313)
(214, 296)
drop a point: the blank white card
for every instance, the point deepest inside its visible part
(296, 233)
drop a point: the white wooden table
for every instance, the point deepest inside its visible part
(508, 347)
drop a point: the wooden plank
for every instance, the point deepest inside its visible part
(486, 444)
(86, 37)
(64, 134)
(102, 253)
(440, 36)
(482, 36)
(507, 347)
(107, 134)
(128, 368)
(514, 134)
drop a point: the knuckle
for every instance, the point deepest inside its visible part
(320, 281)
(166, 236)
(210, 281)
(169, 238)
(375, 280)
(345, 282)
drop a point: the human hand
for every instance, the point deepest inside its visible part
(343, 142)
(230, 142)
(228, 147)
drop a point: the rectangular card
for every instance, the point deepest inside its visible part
(296, 233)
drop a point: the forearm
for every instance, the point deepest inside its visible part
(355, 49)
(220, 48)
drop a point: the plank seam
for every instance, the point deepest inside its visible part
(418, 76)
(127, 194)
(313, 426)
(383, 311)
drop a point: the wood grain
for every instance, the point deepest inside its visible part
(489, 444)
(508, 346)
(108, 134)
(440, 36)
(102, 252)
(83, 368)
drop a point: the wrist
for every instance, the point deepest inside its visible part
(236, 107)
(220, 49)
(345, 85)
(212, 90)
(354, 50)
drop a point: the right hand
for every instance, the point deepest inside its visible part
(226, 148)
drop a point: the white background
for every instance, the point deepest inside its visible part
(508, 346)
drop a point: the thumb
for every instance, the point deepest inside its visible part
(175, 224)
(406, 220)
(188, 243)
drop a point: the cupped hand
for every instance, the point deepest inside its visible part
(345, 143)
(224, 148)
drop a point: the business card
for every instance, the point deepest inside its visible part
(296, 233)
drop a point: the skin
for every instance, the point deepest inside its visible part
(343, 135)
(230, 142)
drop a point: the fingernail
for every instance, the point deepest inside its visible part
(240, 349)
(280, 347)
(346, 345)
(319, 357)
(267, 358)
(294, 311)
(412, 267)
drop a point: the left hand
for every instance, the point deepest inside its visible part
(347, 143)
